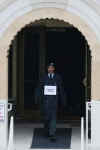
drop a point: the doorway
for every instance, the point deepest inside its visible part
(68, 49)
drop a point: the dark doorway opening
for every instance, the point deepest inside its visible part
(31, 67)
(65, 46)
(67, 49)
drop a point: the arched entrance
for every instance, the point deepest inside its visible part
(34, 46)
(57, 12)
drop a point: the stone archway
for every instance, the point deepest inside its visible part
(46, 22)
(42, 13)
(49, 13)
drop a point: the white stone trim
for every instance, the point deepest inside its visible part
(79, 8)
(89, 15)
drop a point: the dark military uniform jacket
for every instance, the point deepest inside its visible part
(49, 103)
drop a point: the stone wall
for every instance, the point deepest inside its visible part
(61, 14)
(15, 14)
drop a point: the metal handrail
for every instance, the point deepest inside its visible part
(11, 134)
(82, 133)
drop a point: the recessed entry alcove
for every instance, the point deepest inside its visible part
(35, 45)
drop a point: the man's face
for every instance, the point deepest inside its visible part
(51, 69)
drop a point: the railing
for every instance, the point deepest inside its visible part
(11, 127)
(82, 133)
(93, 125)
(87, 121)
(11, 134)
(86, 127)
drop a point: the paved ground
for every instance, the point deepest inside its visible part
(24, 133)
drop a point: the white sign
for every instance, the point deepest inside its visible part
(2, 112)
(50, 90)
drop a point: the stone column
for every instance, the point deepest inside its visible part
(95, 73)
(3, 98)
(95, 80)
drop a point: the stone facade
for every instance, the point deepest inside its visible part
(82, 14)
(69, 11)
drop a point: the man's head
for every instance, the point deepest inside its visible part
(51, 68)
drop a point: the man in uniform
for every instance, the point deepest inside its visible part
(51, 88)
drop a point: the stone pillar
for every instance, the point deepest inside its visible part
(96, 73)
(4, 99)
(95, 80)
